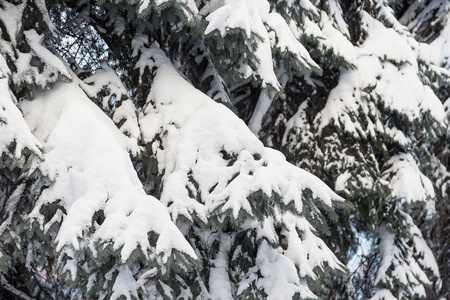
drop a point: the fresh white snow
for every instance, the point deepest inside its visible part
(86, 157)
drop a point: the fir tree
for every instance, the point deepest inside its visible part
(223, 216)
(127, 173)
(429, 23)
(353, 130)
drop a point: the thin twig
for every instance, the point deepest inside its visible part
(5, 285)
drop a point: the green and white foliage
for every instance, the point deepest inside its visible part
(111, 224)
(252, 41)
(365, 136)
(107, 90)
(429, 22)
(26, 66)
(249, 32)
(126, 172)
(246, 210)
(71, 196)
(139, 185)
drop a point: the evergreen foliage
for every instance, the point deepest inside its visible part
(131, 166)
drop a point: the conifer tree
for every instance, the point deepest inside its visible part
(429, 23)
(354, 130)
(215, 214)
(130, 170)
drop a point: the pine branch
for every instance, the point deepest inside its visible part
(338, 202)
(6, 286)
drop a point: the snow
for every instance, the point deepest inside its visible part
(123, 286)
(194, 130)
(336, 40)
(337, 14)
(120, 24)
(13, 127)
(145, 276)
(441, 45)
(385, 78)
(268, 31)
(425, 256)
(286, 41)
(27, 73)
(211, 164)
(439, 50)
(388, 251)
(386, 72)
(123, 109)
(330, 34)
(104, 78)
(86, 158)
(35, 41)
(263, 105)
(279, 278)
(235, 14)
(341, 182)
(11, 206)
(249, 17)
(10, 16)
(398, 257)
(410, 13)
(383, 294)
(406, 180)
(219, 280)
(306, 251)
